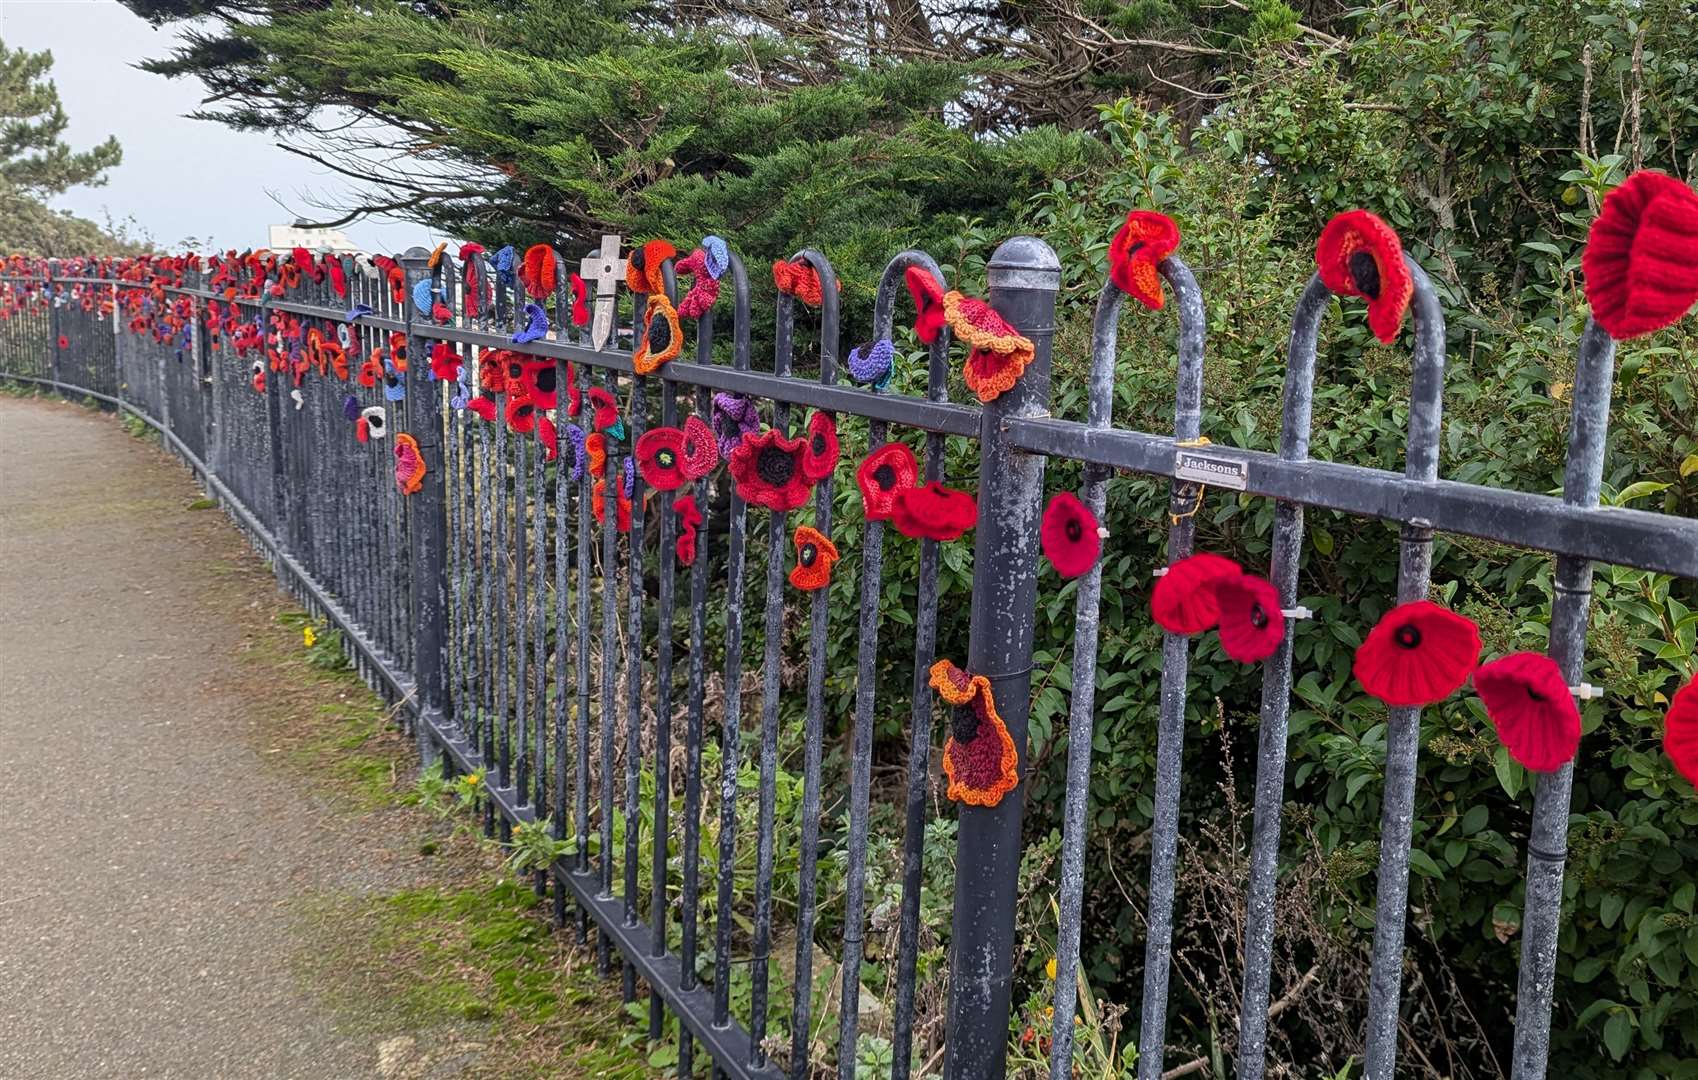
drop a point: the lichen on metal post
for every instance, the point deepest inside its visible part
(427, 521)
(1024, 276)
(1547, 843)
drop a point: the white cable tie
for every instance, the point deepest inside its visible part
(1298, 612)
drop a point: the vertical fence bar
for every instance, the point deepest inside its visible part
(427, 525)
(920, 705)
(1024, 276)
(731, 728)
(1403, 737)
(1259, 912)
(1187, 419)
(1547, 843)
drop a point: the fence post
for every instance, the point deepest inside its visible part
(1024, 276)
(427, 520)
(54, 325)
(274, 391)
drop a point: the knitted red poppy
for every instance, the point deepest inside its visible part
(884, 475)
(1680, 732)
(1641, 257)
(540, 378)
(979, 756)
(1360, 255)
(643, 269)
(1529, 703)
(483, 407)
(799, 279)
(398, 350)
(398, 285)
(598, 506)
(1418, 653)
(700, 449)
(1251, 625)
(409, 464)
(371, 369)
(689, 517)
(606, 409)
(574, 395)
(768, 471)
(338, 276)
(595, 453)
(1069, 535)
(927, 292)
(815, 555)
(580, 298)
(492, 371)
(444, 362)
(549, 437)
(1184, 601)
(660, 458)
(819, 455)
(999, 352)
(1137, 250)
(521, 413)
(664, 338)
(64, 342)
(537, 274)
(934, 512)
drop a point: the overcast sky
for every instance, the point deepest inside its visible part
(180, 178)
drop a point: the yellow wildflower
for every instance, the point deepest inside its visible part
(1049, 969)
(308, 637)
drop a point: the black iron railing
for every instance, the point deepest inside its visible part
(506, 649)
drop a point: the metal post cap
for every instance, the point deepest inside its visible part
(415, 258)
(1024, 262)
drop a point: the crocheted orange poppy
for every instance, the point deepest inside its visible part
(801, 280)
(979, 757)
(664, 339)
(595, 452)
(999, 352)
(409, 464)
(537, 273)
(492, 370)
(815, 555)
(1137, 250)
(643, 268)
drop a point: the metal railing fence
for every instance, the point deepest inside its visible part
(548, 651)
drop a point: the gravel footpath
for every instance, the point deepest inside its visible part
(148, 853)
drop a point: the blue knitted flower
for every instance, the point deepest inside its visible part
(393, 388)
(536, 326)
(718, 256)
(504, 262)
(358, 311)
(423, 296)
(871, 363)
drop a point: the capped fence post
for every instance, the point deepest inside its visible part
(1024, 276)
(427, 518)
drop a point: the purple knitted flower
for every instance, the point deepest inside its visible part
(351, 408)
(732, 417)
(575, 439)
(630, 476)
(870, 363)
(536, 326)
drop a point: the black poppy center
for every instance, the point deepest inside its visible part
(392, 380)
(964, 723)
(809, 554)
(545, 379)
(375, 423)
(522, 411)
(775, 466)
(1258, 616)
(660, 334)
(1365, 272)
(819, 444)
(1408, 636)
(515, 370)
(1137, 246)
(1074, 530)
(665, 458)
(637, 259)
(885, 477)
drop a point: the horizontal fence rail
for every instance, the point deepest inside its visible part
(539, 628)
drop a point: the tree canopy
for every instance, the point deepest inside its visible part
(36, 163)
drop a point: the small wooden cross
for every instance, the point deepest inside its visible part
(604, 270)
